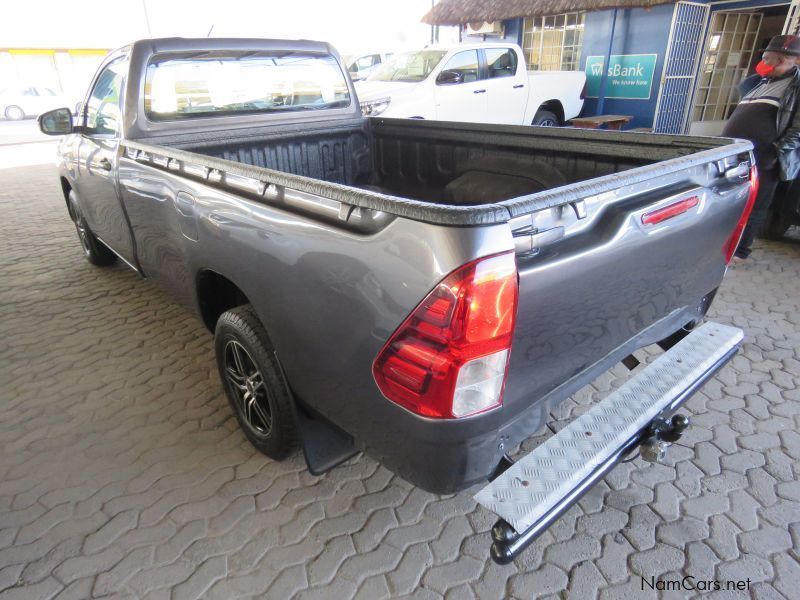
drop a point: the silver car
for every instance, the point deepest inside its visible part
(18, 103)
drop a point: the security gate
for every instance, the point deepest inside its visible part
(792, 23)
(686, 35)
(731, 43)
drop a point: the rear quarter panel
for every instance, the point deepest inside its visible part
(329, 298)
(564, 86)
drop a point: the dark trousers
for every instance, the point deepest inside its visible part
(767, 182)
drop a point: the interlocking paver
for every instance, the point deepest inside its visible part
(198, 582)
(567, 554)
(77, 590)
(464, 569)
(140, 485)
(116, 577)
(180, 541)
(375, 588)
(586, 581)
(45, 589)
(548, 578)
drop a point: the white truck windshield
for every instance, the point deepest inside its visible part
(408, 66)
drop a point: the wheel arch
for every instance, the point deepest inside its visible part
(215, 295)
(66, 188)
(555, 107)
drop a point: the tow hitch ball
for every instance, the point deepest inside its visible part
(660, 435)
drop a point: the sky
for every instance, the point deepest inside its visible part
(352, 26)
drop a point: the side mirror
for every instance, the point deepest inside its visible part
(56, 122)
(449, 78)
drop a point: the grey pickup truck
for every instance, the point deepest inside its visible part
(425, 292)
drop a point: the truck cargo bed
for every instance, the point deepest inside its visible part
(505, 170)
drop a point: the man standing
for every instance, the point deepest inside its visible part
(767, 115)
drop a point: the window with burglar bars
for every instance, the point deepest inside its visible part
(732, 42)
(553, 42)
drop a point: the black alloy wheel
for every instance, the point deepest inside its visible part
(246, 384)
(95, 251)
(545, 118)
(254, 383)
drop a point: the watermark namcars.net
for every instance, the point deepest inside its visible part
(690, 583)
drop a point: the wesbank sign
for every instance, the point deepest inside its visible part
(630, 76)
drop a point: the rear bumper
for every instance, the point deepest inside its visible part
(537, 489)
(448, 456)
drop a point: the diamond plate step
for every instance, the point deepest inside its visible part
(535, 484)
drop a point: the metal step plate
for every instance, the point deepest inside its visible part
(536, 483)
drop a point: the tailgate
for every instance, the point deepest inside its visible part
(615, 271)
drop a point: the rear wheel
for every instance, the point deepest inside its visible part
(95, 251)
(545, 118)
(14, 113)
(254, 384)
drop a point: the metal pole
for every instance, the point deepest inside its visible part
(147, 19)
(432, 26)
(601, 95)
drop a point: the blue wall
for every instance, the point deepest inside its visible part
(512, 31)
(638, 31)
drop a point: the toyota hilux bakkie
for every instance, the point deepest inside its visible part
(422, 291)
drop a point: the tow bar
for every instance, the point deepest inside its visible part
(660, 435)
(530, 494)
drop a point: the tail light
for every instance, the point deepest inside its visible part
(736, 235)
(449, 358)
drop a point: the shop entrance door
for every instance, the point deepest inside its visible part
(732, 44)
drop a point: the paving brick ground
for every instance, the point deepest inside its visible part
(123, 474)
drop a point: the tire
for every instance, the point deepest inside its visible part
(776, 224)
(545, 118)
(96, 252)
(14, 113)
(253, 382)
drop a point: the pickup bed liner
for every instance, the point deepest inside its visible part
(348, 162)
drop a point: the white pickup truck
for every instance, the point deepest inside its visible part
(476, 83)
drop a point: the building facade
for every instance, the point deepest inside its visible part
(66, 71)
(674, 68)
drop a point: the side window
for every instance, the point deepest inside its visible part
(375, 59)
(502, 62)
(364, 63)
(103, 115)
(465, 64)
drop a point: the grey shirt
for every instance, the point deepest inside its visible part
(755, 115)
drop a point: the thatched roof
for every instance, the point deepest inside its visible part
(457, 12)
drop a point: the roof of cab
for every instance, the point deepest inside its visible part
(470, 46)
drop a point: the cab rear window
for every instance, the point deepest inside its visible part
(203, 84)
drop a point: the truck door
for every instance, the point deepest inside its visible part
(97, 182)
(460, 90)
(506, 87)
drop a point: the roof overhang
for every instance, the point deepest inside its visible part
(458, 12)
